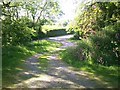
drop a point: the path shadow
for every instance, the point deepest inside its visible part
(58, 75)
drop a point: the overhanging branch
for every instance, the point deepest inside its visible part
(41, 11)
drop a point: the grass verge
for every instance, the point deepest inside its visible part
(107, 74)
(43, 61)
(14, 56)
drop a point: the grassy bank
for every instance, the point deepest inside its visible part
(103, 73)
(14, 56)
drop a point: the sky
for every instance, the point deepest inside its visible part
(68, 7)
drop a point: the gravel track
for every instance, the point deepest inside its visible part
(57, 74)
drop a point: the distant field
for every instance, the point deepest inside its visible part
(53, 30)
(46, 28)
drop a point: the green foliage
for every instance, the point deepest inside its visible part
(95, 16)
(16, 32)
(105, 47)
(56, 32)
(18, 27)
(50, 30)
(98, 54)
(98, 29)
(43, 61)
(98, 32)
(108, 74)
(14, 56)
(46, 28)
(102, 48)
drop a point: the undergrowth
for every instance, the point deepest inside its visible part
(97, 54)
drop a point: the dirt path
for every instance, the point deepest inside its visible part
(57, 74)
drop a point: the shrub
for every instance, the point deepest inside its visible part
(104, 47)
(16, 32)
(100, 48)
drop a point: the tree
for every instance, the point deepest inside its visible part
(42, 11)
(18, 28)
(97, 25)
(93, 17)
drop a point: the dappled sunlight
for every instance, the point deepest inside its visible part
(58, 74)
(62, 76)
(51, 80)
(36, 56)
(60, 44)
(56, 50)
(63, 40)
(20, 69)
(44, 81)
(14, 56)
(54, 57)
(46, 70)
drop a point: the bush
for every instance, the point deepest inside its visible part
(104, 47)
(16, 32)
(100, 48)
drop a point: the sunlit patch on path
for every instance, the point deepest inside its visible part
(57, 74)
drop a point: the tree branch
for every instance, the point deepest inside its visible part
(7, 4)
(41, 11)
